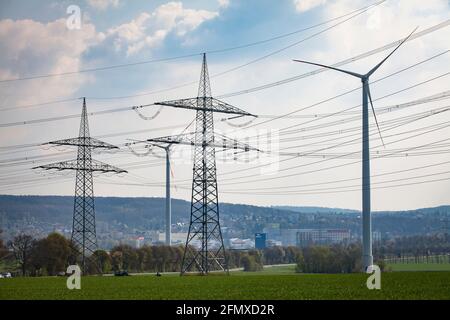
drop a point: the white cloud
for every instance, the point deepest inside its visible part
(103, 4)
(31, 47)
(305, 5)
(149, 30)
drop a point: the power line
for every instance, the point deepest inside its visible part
(441, 25)
(326, 160)
(322, 149)
(350, 179)
(419, 34)
(194, 82)
(125, 65)
(343, 190)
(343, 94)
(305, 192)
(432, 129)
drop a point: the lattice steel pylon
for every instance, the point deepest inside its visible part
(83, 230)
(204, 249)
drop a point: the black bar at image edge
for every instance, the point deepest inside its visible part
(217, 309)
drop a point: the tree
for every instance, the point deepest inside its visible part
(300, 262)
(3, 248)
(116, 260)
(145, 255)
(161, 254)
(274, 255)
(250, 263)
(22, 246)
(52, 254)
(292, 254)
(100, 262)
(128, 258)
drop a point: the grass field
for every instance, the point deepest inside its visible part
(276, 283)
(419, 266)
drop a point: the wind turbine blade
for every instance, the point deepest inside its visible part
(332, 68)
(390, 54)
(375, 116)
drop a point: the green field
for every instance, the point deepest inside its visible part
(277, 283)
(419, 266)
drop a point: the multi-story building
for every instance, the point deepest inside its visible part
(306, 237)
(260, 240)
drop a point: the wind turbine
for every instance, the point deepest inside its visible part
(366, 213)
(167, 148)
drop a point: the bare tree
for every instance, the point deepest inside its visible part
(22, 246)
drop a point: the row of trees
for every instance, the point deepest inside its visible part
(47, 256)
(415, 246)
(332, 259)
(52, 255)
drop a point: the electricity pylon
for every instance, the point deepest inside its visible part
(83, 230)
(366, 210)
(204, 227)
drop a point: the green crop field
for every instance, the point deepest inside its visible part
(419, 266)
(268, 284)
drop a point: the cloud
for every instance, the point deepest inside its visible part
(103, 4)
(149, 30)
(31, 47)
(305, 5)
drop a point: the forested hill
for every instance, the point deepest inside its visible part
(243, 220)
(132, 211)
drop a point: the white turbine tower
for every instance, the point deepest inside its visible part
(366, 213)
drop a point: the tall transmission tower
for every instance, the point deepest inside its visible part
(83, 230)
(366, 205)
(204, 227)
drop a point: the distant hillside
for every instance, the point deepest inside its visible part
(315, 209)
(128, 217)
(135, 212)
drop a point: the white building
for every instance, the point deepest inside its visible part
(306, 237)
(241, 244)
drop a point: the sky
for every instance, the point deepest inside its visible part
(122, 53)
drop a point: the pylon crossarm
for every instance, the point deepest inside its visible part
(229, 143)
(220, 141)
(95, 166)
(83, 142)
(184, 138)
(223, 107)
(205, 103)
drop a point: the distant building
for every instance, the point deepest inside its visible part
(140, 242)
(177, 237)
(260, 240)
(307, 237)
(241, 244)
(273, 243)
